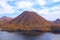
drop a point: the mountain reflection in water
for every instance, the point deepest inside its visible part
(17, 36)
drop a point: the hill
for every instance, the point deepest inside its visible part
(57, 21)
(4, 19)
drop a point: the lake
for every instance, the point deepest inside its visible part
(17, 36)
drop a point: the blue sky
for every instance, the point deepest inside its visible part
(49, 9)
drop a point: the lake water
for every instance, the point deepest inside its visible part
(17, 36)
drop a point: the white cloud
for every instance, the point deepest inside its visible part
(56, 0)
(43, 11)
(27, 5)
(23, 4)
(41, 2)
(54, 10)
(31, 9)
(6, 8)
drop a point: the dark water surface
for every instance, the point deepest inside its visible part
(17, 36)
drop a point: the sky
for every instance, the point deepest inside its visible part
(49, 9)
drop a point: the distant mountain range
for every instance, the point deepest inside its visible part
(5, 19)
(29, 20)
(57, 21)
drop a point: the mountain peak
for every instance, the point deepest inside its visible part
(28, 12)
(57, 19)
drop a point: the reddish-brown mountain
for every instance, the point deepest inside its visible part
(28, 21)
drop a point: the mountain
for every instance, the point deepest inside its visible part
(57, 21)
(4, 19)
(28, 20)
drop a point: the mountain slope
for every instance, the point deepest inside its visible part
(28, 21)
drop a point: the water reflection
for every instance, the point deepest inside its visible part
(30, 37)
(18, 36)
